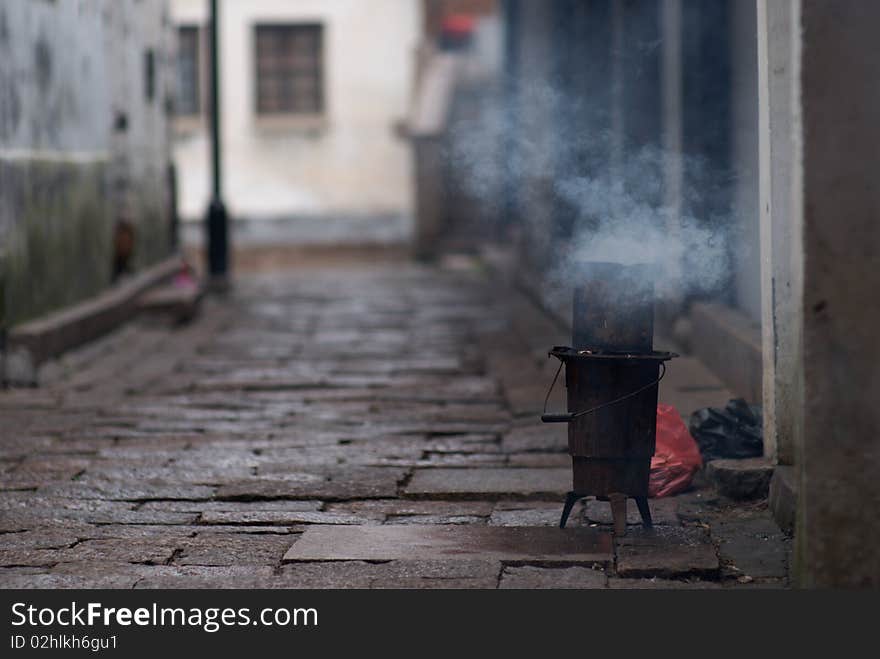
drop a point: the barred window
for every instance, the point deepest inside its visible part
(188, 98)
(289, 69)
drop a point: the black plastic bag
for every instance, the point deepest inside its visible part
(733, 432)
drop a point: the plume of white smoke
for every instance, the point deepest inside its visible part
(619, 213)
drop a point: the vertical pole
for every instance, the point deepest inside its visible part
(217, 221)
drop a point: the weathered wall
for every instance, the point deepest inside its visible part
(348, 164)
(839, 457)
(80, 146)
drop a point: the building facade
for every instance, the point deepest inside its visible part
(85, 95)
(311, 95)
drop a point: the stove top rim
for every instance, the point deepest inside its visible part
(564, 353)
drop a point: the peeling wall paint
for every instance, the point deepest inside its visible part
(82, 145)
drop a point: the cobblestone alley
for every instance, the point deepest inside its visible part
(361, 426)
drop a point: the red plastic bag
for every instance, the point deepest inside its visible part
(677, 456)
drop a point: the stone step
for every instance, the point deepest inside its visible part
(741, 479)
(172, 303)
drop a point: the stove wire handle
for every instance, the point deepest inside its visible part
(571, 416)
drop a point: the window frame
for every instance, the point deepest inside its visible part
(291, 118)
(191, 121)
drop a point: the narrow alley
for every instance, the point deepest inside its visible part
(360, 425)
(436, 294)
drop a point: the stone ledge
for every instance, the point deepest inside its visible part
(32, 343)
(172, 303)
(741, 479)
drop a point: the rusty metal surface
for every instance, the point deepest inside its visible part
(625, 429)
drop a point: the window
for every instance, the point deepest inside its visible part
(289, 69)
(188, 72)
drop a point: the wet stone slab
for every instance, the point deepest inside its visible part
(451, 542)
(539, 437)
(214, 576)
(463, 444)
(537, 513)
(140, 517)
(29, 557)
(397, 509)
(666, 552)
(394, 574)
(156, 550)
(278, 517)
(230, 506)
(410, 574)
(125, 491)
(528, 576)
(74, 576)
(41, 539)
(435, 519)
(662, 584)
(752, 547)
(354, 483)
(490, 483)
(663, 512)
(464, 460)
(231, 549)
(280, 461)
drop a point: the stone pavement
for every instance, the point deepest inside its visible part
(360, 426)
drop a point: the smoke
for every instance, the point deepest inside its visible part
(614, 200)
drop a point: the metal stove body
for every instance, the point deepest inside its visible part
(612, 376)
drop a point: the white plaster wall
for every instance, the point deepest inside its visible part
(355, 166)
(70, 66)
(780, 244)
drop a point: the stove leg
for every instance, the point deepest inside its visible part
(645, 511)
(570, 499)
(618, 513)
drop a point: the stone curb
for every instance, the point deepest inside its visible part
(30, 344)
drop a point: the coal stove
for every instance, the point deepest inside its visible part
(612, 375)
